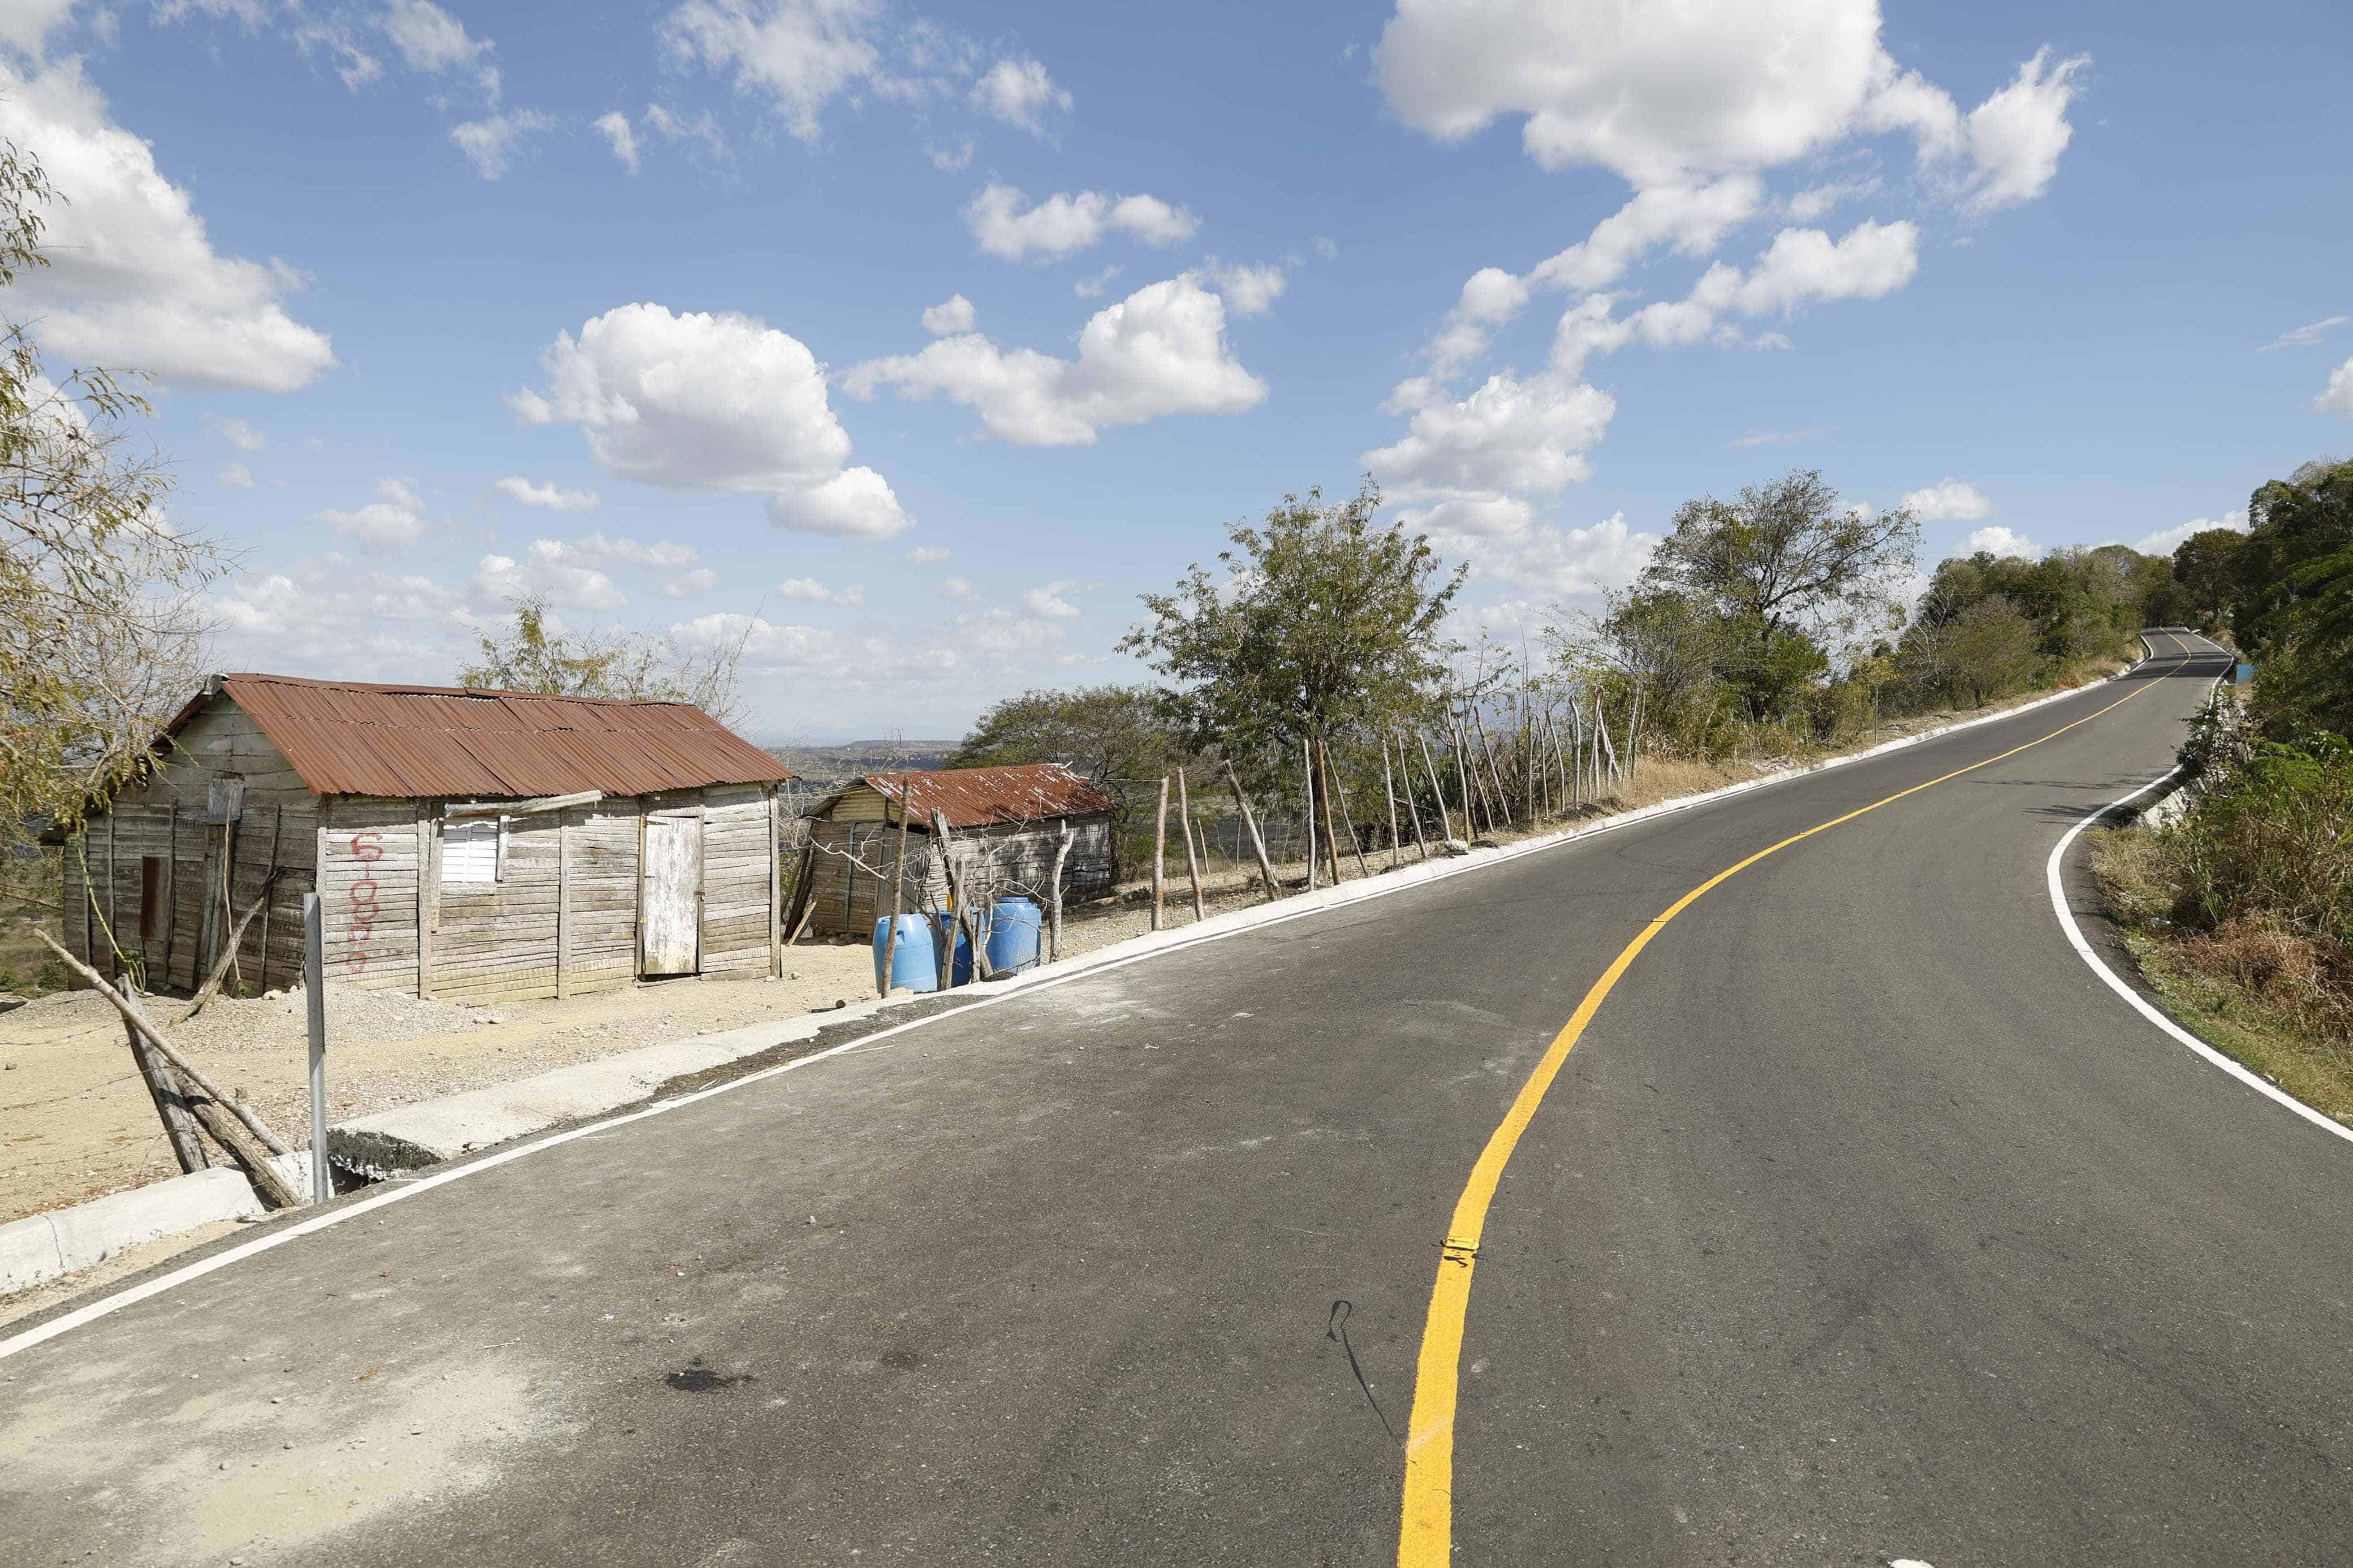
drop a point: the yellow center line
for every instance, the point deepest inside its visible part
(1425, 1534)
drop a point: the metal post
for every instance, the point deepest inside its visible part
(314, 990)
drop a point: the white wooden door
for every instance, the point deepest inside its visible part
(670, 898)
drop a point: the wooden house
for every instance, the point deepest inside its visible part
(1004, 826)
(466, 845)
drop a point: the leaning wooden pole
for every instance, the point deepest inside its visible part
(1436, 790)
(1413, 812)
(1336, 791)
(171, 1103)
(1192, 861)
(1487, 751)
(1258, 840)
(170, 1053)
(229, 956)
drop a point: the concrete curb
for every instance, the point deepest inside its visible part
(44, 1246)
(59, 1242)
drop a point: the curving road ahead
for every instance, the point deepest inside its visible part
(1863, 1224)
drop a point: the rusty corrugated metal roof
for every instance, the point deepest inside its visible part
(986, 797)
(350, 737)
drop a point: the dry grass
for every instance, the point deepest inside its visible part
(2277, 1003)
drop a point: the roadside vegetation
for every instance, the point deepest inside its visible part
(2240, 907)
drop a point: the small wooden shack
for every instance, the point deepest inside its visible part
(1005, 825)
(469, 845)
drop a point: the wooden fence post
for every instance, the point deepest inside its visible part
(1062, 853)
(1160, 853)
(898, 883)
(1307, 779)
(1192, 863)
(1389, 792)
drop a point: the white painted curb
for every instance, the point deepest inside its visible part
(59, 1242)
(2134, 999)
(744, 1042)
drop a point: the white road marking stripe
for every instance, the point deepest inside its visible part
(2137, 1002)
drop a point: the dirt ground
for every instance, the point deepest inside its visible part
(76, 1122)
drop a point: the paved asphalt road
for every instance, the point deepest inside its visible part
(1864, 1224)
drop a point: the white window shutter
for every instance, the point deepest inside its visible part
(470, 851)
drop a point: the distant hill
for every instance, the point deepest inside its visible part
(822, 768)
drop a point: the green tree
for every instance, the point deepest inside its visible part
(2206, 564)
(1115, 736)
(102, 625)
(1992, 648)
(1322, 621)
(535, 655)
(1785, 560)
(2295, 608)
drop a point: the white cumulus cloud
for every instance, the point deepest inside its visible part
(1513, 437)
(953, 588)
(2337, 397)
(1996, 540)
(385, 526)
(1019, 92)
(952, 315)
(235, 477)
(133, 279)
(800, 53)
(2166, 541)
(1951, 501)
(242, 436)
(1006, 223)
(1047, 604)
(428, 38)
(1249, 290)
(550, 569)
(928, 554)
(547, 497)
(816, 593)
(722, 404)
(1160, 350)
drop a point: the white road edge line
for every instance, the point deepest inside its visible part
(2139, 1003)
(1258, 919)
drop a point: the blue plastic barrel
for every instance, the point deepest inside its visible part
(1013, 928)
(914, 963)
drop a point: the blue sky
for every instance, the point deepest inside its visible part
(917, 343)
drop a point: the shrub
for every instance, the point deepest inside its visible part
(2269, 840)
